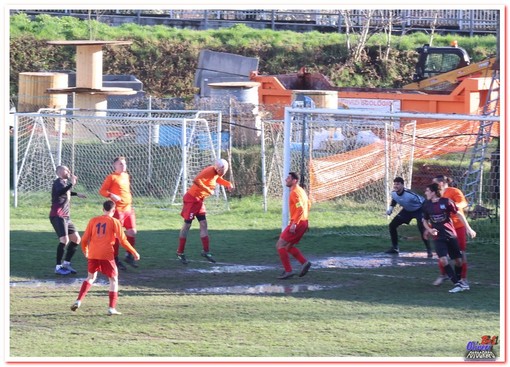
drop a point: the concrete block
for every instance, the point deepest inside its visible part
(202, 74)
(122, 81)
(227, 63)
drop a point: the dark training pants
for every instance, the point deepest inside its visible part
(405, 217)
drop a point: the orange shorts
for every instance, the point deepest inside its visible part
(191, 207)
(106, 267)
(294, 238)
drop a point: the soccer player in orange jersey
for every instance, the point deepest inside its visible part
(116, 187)
(299, 207)
(193, 205)
(456, 195)
(98, 244)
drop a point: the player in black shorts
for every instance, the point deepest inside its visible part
(59, 217)
(438, 224)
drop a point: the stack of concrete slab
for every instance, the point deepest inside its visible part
(220, 67)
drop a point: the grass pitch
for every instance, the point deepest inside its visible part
(371, 306)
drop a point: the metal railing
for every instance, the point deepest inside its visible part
(401, 20)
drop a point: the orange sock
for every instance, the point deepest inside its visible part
(113, 296)
(284, 258)
(182, 243)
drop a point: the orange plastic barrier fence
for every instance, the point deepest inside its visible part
(340, 174)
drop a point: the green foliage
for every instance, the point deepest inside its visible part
(347, 77)
(411, 41)
(19, 24)
(47, 27)
(165, 58)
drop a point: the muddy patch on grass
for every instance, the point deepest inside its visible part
(229, 268)
(62, 282)
(361, 261)
(368, 261)
(261, 289)
(373, 261)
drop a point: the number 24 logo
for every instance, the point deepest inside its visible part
(487, 339)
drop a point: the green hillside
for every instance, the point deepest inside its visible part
(165, 58)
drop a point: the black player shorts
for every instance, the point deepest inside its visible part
(447, 246)
(405, 216)
(63, 226)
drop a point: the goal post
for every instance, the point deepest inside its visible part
(352, 157)
(346, 154)
(164, 150)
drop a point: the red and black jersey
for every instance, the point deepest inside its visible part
(60, 198)
(439, 216)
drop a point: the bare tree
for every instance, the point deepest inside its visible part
(364, 33)
(388, 29)
(433, 26)
(92, 25)
(346, 14)
(361, 19)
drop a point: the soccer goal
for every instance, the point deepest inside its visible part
(164, 150)
(347, 157)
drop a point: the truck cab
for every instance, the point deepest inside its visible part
(433, 61)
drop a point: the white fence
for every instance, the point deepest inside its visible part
(402, 20)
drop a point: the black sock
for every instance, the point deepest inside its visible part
(60, 252)
(451, 274)
(71, 249)
(458, 271)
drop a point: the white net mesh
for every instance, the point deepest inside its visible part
(161, 166)
(349, 161)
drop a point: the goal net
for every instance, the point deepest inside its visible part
(347, 160)
(164, 151)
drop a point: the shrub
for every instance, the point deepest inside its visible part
(165, 58)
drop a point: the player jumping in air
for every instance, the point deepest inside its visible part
(194, 207)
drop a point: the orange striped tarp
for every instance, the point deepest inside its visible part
(343, 173)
